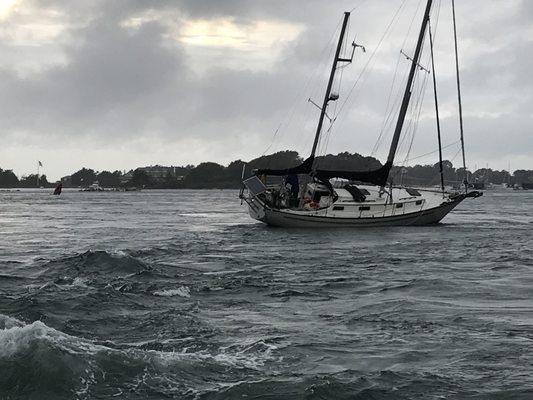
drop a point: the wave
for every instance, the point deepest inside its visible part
(182, 291)
(38, 360)
(94, 269)
(99, 262)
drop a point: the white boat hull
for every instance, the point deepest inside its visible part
(322, 219)
(427, 217)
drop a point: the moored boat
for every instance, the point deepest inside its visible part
(367, 198)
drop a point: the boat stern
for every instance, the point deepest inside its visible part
(249, 194)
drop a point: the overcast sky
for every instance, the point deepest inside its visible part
(117, 84)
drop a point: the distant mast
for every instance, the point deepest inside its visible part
(39, 165)
(407, 95)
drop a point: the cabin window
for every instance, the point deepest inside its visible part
(399, 205)
(364, 208)
(338, 208)
(418, 202)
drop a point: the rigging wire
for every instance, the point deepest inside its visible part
(366, 66)
(435, 95)
(371, 58)
(361, 2)
(420, 100)
(424, 85)
(273, 140)
(414, 110)
(289, 115)
(324, 139)
(432, 152)
(389, 113)
(434, 179)
(414, 118)
(308, 122)
(417, 110)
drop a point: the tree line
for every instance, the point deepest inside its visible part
(212, 175)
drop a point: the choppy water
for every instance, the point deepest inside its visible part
(178, 294)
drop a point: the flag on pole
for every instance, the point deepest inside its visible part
(40, 163)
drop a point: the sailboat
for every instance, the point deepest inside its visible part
(368, 198)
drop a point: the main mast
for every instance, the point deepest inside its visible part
(327, 96)
(407, 95)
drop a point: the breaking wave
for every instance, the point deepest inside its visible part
(182, 291)
(39, 360)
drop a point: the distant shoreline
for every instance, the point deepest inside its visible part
(210, 175)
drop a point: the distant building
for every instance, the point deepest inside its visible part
(159, 173)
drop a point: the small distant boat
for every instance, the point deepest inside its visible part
(58, 189)
(95, 187)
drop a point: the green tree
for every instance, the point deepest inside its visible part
(30, 181)
(279, 160)
(205, 175)
(233, 174)
(140, 179)
(83, 177)
(523, 176)
(109, 179)
(8, 178)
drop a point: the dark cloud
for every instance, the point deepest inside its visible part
(120, 81)
(113, 77)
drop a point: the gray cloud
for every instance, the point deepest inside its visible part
(117, 84)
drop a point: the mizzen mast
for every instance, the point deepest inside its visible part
(437, 116)
(465, 178)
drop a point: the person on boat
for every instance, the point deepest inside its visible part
(292, 181)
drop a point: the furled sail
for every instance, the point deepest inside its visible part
(302, 169)
(376, 177)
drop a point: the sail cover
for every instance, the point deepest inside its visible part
(302, 169)
(376, 177)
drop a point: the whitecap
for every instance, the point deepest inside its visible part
(182, 291)
(79, 281)
(7, 322)
(19, 337)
